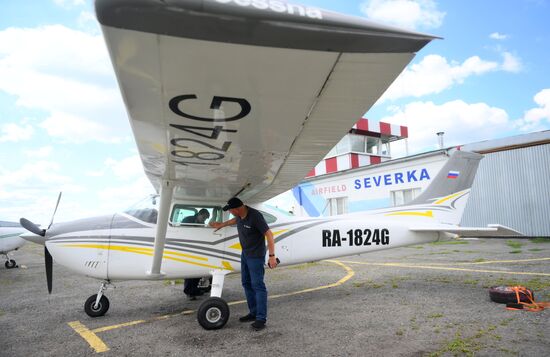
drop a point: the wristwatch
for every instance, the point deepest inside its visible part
(271, 255)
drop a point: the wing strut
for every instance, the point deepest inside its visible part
(166, 191)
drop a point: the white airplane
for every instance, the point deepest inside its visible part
(10, 241)
(242, 98)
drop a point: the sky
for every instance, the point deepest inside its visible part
(63, 125)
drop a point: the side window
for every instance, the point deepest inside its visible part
(269, 218)
(194, 216)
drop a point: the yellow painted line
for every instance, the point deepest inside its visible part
(95, 342)
(227, 265)
(146, 251)
(107, 328)
(400, 265)
(276, 233)
(448, 198)
(236, 246)
(349, 275)
(98, 345)
(499, 261)
(171, 252)
(423, 214)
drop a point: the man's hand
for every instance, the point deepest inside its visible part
(272, 262)
(216, 225)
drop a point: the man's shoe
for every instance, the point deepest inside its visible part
(247, 318)
(258, 325)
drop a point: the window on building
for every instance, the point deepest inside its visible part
(373, 146)
(357, 142)
(338, 205)
(402, 197)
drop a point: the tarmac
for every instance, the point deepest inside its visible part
(424, 300)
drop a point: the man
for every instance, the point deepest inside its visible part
(191, 286)
(252, 229)
(200, 217)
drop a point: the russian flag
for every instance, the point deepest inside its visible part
(453, 174)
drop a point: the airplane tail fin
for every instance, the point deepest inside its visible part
(445, 198)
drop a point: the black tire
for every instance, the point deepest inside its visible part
(10, 264)
(213, 313)
(505, 295)
(100, 310)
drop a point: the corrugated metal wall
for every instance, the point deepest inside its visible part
(512, 188)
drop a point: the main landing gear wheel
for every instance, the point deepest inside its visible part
(213, 313)
(10, 264)
(95, 311)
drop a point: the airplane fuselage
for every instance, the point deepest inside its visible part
(10, 240)
(120, 247)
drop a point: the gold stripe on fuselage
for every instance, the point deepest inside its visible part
(149, 252)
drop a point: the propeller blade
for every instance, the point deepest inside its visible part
(31, 227)
(55, 210)
(49, 268)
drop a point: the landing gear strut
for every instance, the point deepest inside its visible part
(10, 263)
(98, 304)
(213, 313)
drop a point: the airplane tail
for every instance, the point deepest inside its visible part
(444, 200)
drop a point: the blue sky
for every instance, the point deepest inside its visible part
(63, 126)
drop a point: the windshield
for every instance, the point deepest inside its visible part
(145, 210)
(280, 210)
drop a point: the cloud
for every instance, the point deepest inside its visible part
(511, 63)
(39, 153)
(498, 36)
(14, 133)
(410, 14)
(69, 3)
(462, 123)
(118, 198)
(66, 74)
(537, 118)
(125, 169)
(76, 130)
(435, 74)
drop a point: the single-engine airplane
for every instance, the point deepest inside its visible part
(242, 98)
(10, 241)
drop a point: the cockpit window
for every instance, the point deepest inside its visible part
(145, 210)
(269, 218)
(194, 216)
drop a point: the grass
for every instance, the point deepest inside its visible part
(515, 251)
(369, 284)
(467, 345)
(535, 284)
(176, 282)
(449, 242)
(479, 260)
(540, 240)
(514, 244)
(435, 316)
(536, 250)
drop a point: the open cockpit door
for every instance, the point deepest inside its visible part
(237, 97)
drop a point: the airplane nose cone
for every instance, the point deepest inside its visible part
(31, 237)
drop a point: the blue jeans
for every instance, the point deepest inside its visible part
(252, 277)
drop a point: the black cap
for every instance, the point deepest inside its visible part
(233, 203)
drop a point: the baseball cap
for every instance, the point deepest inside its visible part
(233, 203)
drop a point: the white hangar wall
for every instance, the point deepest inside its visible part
(512, 185)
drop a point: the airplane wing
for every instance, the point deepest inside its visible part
(231, 97)
(492, 230)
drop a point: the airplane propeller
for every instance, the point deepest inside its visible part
(48, 260)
